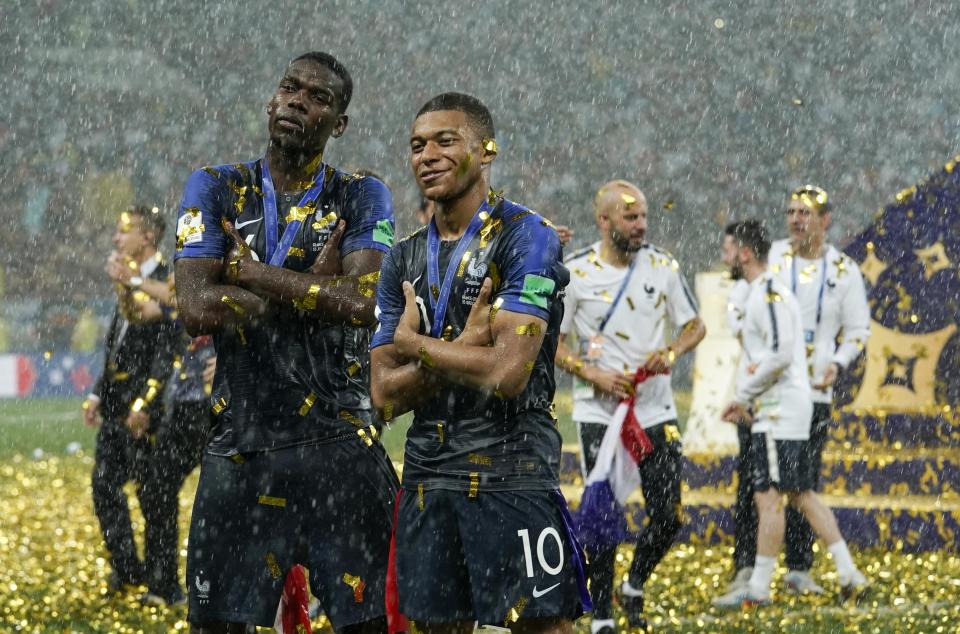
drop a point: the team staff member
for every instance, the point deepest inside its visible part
(133, 346)
(294, 473)
(622, 292)
(772, 395)
(481, 533)
(836, 324)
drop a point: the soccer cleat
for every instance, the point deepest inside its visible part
(740, 598)
(741, 580)
(855, 589)
(800, 582)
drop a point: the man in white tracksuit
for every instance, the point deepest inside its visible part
(836, 324)
(772, 395)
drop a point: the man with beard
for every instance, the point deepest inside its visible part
(836, 326)
(481, 534)
(622, 291)
(278, 259)
(772, 397)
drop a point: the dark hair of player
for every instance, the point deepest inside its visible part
(750, 234)
(331, 62)
(477, 113)
(151, 221)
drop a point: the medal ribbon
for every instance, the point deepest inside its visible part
(439, 300)
(276, 255)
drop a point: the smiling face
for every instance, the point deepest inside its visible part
(306, 110)
(447, 154)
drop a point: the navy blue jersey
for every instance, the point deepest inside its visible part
(294, 378)
(464, 435)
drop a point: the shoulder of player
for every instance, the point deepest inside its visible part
(406, 241)
(522, 221)
(580, 255)
(657, 258)
(837, 258)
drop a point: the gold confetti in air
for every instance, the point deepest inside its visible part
(490, 145)
(667, 206)
(269, 500)
(797, 101)
(307, 405)
(357, 584)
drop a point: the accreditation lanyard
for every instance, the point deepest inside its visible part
(440, 293)
(619, 295)
(823, 283)
(276, 255)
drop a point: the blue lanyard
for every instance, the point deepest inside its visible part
(620, 292)
(440, 294)
(823, 282)
(275, 256)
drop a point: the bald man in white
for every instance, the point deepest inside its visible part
(621, 294)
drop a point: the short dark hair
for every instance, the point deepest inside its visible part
(331, 62)
(477, 113)
(151, 220)
(751, 234)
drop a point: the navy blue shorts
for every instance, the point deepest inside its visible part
(784, 464)
(326, 506)
(492, 558)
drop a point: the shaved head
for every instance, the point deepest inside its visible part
(617, 196)
(620, 209)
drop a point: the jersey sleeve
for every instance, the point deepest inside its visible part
(199, 232)
(736, 306)
(390, 301)
(854, 319)
(681, 305)
(781, 325)
(369, 216)
(533, 274)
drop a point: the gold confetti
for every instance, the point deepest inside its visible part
(463, 263)
(307, 405)
(318, 225)
(242, 334)
(435, 291)
(622, 335)
(353, 368)
(388, 412)
(357, 584)
(514, 613)
(474, 484)
(238, 458)
(440, 428)
(298, 214)
(495, 307)
(296, 252)
(628, 200)
(490, 145)
(797, 101)
(671, 433)
(477, 459)
(425, 358)
(269, 500)
(367, 283)
(531, 330)
(667, 206)
(275, 571)
(420, 501)
(234, 306)
(365, 438)
(211, 171)
(347, 416)
(447, 334)
(309, 301)
(630, 303)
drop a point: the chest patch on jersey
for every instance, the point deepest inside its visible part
(189, 228)
(383, 233)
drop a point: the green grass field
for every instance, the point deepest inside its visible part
(53, 567)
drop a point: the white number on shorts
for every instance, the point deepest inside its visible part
(528, 555)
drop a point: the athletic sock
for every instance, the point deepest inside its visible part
(630, 591)
(599, 624)
(762, 575)
(846, 569)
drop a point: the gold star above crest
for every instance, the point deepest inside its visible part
(933, 258)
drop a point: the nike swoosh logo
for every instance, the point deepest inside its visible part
(241, 225)
(539, 593)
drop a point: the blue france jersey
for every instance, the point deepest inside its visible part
(463, 435)
(294, 378)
